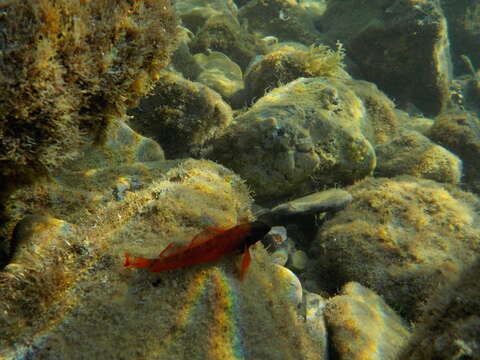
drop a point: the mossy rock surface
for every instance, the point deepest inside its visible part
(402, 237)
(181, 115)
(77, 300)
(69, 68)
(309, 133)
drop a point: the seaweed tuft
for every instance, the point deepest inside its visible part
(68, 70)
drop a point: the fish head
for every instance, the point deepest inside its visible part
(256, 232)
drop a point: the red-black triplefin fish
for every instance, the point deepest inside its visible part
(209, 245)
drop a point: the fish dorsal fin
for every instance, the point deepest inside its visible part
(168, 250)
(205, 235)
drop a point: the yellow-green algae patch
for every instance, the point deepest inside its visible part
(360, 322)
(402, 237)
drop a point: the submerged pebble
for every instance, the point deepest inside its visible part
(314, 307)
(276, 243)
(323, 201)
(299, 260)
(280, 257)
(328, 200)
(289, 285)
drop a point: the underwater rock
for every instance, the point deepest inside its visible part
(305, 134)
(181, 115)
(450, 325)
(414, 154)
(363, 326)
(382, 124)
(183, 62)
(314, 306)
(287, 20)
(298, 261)
(414, 122)
(78, 301)
(401, 237)
(122, 147)
(330, 200)
(280, 256)
(403, 48)
(287, 63)
(220, 74)
(314, 7)
(463, 29)
(223, 33)
(465, 92)
(36, 236)
(43, 251)
(459, 132)
(289, 283)
(194, 13)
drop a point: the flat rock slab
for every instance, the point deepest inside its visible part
(323, 201)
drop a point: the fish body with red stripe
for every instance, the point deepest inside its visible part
(208, 246)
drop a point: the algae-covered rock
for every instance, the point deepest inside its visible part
(383, 123)
(411, 153)
(363, 326)
(463, 31)
(288, 63)
(68, 70)
(181, 115)
(123, 147)
(75, 300)
(309, 132)
(459, 132)
(223, 33)
(194, 13)
(288, 20)
(220, 74)
(183, 62)
(401, 237)
(415, 122)
(314, 307)
(401, 46)
(450, 325)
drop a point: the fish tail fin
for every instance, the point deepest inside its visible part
(136, 262)
(245, 263)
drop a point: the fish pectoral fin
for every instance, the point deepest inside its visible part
(128, 260)
(169, 247)
(245, 263)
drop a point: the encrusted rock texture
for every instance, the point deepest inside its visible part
(402, 238)
(68, 70)
(310, 131)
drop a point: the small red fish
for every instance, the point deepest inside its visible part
(209, 245)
